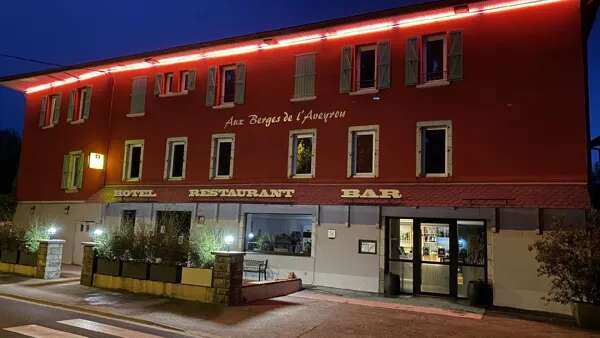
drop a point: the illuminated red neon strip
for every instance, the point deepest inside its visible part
(360, 30)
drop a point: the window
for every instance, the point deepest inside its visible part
(169, 83)
(137, 104)
(184, 81)
(175, 158)
(79, 105)
(132, 161)
(434, 50)
(228, 84)
(302, 153)
(49, 111)
(222, 156)
(363, 144)
(284, 234)
(434, 148)
(72, 178)
(128, 221)
(365, 70)
(304, 78)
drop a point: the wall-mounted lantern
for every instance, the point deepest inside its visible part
(96, 161)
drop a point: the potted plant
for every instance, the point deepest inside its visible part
(9, 245)
(170, 253)
(203, 243)
(109, 249)
(135, 258)
(569, 255)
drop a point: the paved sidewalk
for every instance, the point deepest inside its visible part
(316, 312)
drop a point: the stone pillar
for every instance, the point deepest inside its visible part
(87, 264)
(227, 277)
(49, 259)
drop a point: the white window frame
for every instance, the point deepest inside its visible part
(362, 130)
(222, 85)
(434, 125)
(184, 81)
(427, 39)
(293, 141)
(170, 146)
(129, 145)
(217, 139)
(359, 50)
(169, 77)
(71, 186)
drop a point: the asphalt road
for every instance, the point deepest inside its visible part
(34, 320)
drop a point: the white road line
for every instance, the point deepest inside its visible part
(105, 328)
(37, 331)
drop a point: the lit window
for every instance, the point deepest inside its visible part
(434, 157)
(72, 178)
(175, 161)
(434, 50)
(132, 165)
(363, 144)
(228, 84)
(302, 153)
(282, 234)
(222, 156)
(169, 83)
(365, 70)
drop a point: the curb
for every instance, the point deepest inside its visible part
(51, 282)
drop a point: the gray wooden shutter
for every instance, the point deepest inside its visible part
(42, 114)
(346, 70)
(383, 64)
(56, 112)
(158, 84)
(211, 86)
(455, 56)
(240, 83)
(138, 96)
(411, 70)
(79, 169)
(191, 80)
(86, 105)
(65, 171)
(304, 78)
(71, 105)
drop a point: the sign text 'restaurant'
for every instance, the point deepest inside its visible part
(249, 193)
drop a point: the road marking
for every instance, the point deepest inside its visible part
(105, 328)
(37, 331)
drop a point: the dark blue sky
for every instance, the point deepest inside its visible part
(73, 31)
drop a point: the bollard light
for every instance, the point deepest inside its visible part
(228, 241)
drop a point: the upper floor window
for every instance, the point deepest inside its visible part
(171, 84)
(169, 78)
(49, 111)
(79, 105)
(302, 153)
(72, 174)
(175, 158)
(436, 61)
(226, 85)
(304, 78)
(132, 161)
(363, 149)
(434, 148)
(365, 69)
(222, 156)
(137, 105)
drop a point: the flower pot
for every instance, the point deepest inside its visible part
(587, 315)
(479, 293)
(137, 270)
(108, 267)
(9, 255)
(26, 258)
(197, 276)
(165, 273)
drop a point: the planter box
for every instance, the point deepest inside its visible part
(137, 270)
(108, 267)
(197, 276)
(587, 315)
(165, 273)
(9, 256)
(26, 258)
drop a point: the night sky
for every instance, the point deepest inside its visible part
(72, 31)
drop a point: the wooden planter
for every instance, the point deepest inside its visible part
(197, 276)
(108, 267)
(165, 273)
(9, 255)
(137, 270)
(26, 258)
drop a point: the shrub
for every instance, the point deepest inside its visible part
(8, 236)
(34, 233)
(205, 241)
(569, 254)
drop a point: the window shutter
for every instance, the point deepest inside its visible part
(79, 169)
(138, 96)
(213, 157)
(350, 164)
(56, 112)
(304, 79)
(42, 116)
(419, 152)
(211, 84)
(191, 80)
(65, 171)
(168, 161)
(240, 83)
(158, 84)
(299, 77)
(346, 70)
(411, 71)
(71, 105)
(455, 56)
(449, 150)
(126, 169)
(86, 105)
(383, 65)
(291, 153)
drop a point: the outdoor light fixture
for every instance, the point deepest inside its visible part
(98, 232)
(67, 209)
(96, 161)
(228, 241)
(52, 230)
(250, 235)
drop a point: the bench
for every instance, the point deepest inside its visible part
(259, 266)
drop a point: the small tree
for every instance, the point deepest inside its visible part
(204, 242)
(569, 254)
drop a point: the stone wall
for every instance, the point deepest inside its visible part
(49, 259)
(227, 277)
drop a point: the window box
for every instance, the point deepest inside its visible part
(136, 270)
(165, 273)
(27, 258)
(197, 276)
(108, 266)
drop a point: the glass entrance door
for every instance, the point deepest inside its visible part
(436, 257)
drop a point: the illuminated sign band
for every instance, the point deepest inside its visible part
(371, 193)
(237, 193)
(134, 193)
